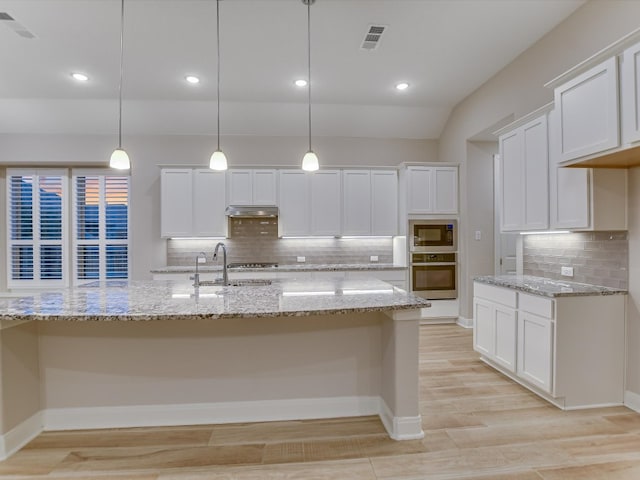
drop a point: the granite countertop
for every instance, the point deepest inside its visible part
(547, 287)
(304, 267)
(163, 300)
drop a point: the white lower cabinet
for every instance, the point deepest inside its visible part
(535, 349)
(494, 331)
(567, 349)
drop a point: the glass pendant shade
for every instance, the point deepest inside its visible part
(218, 161)
(310, 162)
(119, 160)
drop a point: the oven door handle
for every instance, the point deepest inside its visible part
(435, 264)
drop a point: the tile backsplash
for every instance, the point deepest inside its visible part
(284, 251)
(599, 258)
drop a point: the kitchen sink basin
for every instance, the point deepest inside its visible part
(246, 282)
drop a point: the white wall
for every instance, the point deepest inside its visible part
(518, 89)
(149, 152)
(479, 210)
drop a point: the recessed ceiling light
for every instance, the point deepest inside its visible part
(300, 82)
(192, 79)
(402, 86)
(81, 77)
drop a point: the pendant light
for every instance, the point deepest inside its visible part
(218, 159)
(119, 158)
(310, 160)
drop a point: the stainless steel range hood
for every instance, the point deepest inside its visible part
(251, 211)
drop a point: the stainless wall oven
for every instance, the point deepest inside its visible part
(434, 275)
(433, 236)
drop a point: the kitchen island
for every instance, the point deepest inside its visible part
(124, 354)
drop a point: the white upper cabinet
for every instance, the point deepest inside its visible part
(588, 112)
(584, 198)
(630, 86)
(370, 202)
(294, 203)
(310, 203)
(252, 187)
(432, 190)
(356, 202)
(384, 202)
(176, 202)
(192, 202)
(326, 202)
(524, 182)
(209, 193)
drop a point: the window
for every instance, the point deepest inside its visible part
(37, 223)
(38, 235)
(100, 227)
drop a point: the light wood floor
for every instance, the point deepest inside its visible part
(478, 424)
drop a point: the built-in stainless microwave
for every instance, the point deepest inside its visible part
(433, 235)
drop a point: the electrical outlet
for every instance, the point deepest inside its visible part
(566, 271)
(373, 258)
(478, 235)
(301, 259)
(202, 260)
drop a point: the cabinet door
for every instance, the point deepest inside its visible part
(535, 350)
(176, 202)
(511, 181)
(264, 187)
(326, 202)
(630, 103)
(483, 327)
(568, 187)
(445, 195)
(505, 337)
(294, 202)
(240, 187)
(588, 106)
(209, 195)
(420, 183)
(356, 202)
(536, 178)
(384, 202)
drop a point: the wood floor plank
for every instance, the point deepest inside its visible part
(601, 471)
(341, 470)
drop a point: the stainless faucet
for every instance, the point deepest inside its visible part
(196, 277)
(225, 276)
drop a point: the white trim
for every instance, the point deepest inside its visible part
(20, 435)
(465, 322)
(208, 413)
(400, 428)
(632, 400)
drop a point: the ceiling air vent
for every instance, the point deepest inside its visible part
(372, 37)
(18, 28)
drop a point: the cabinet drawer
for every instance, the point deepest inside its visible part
(500, 295)
(537, 305)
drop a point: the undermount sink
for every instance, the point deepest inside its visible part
(246, 282)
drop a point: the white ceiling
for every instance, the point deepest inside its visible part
(444, 48)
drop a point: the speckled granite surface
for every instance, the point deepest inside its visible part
(304, 267)
(162, 300)
(547, 287)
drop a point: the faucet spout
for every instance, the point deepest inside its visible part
(225, 275)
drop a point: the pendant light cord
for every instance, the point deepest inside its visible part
(121, 69)
(218, 66)
(309, 62)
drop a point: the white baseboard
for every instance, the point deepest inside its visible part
(20, 435)
(632, 400)
(400, 428)
(208, 413)
(465, 322)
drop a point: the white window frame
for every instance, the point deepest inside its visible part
(36, 242)
(102, 241)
